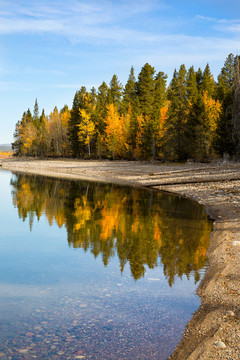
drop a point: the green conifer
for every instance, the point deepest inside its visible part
(115, 91)
(224, 89)
(129, 93)
(145, 89)
(208, 83)
(75, 119)
(177, 116)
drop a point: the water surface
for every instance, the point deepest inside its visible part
(96, 271)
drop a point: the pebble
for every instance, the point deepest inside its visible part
(220, 344)
(60, 352)
(23, 351)
(230, 313)
(236, 243)
(2, 354)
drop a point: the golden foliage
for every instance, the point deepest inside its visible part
(213, 109)
(86, 128)
(6, 154)
(117, 132)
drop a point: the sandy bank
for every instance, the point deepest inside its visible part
(217, 186)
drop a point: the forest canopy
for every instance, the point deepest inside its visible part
(194, 117)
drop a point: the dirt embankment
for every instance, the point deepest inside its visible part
(214, 331)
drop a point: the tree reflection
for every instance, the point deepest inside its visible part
(143, 227)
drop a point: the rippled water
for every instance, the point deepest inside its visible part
(96, 271)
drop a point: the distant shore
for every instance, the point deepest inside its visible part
(217, 186)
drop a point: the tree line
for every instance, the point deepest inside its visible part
(194, 117)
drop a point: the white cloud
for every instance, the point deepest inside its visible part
(205, 18)
(223, 25)
(231, 27)
(79, 21)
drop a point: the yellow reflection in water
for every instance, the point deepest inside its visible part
(142, 227)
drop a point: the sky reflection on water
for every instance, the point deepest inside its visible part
(92, 276)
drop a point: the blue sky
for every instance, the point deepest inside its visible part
(50, 48)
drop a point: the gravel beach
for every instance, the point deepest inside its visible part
(214, 330)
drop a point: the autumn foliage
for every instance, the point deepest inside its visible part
(192, 117)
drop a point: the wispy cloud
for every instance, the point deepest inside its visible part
(206, 18)
(80, 21)
(232, 27)
(223, 25)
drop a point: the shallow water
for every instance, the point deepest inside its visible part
(96, 271)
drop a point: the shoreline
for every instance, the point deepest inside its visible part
(217, 187)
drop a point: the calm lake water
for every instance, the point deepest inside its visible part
(96, 271)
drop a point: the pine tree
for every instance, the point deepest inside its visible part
(115, 91)
(75, 120)
(145, 89)
(16, 145)
(160, 99)
(199, 78)
(145, 94)
(42, 135)
(129, 93)
(36, 112)
(192, 86)
(224, 140)
(177, 116)
(236, 108)
(208, 83)
(93, 96)
(101, 107)
(194, 110)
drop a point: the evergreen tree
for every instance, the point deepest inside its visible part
(115, 91)
(236, 108)
(145, 89)
(93, 96)
(16, 145)
(224, 140)
(192, 86)
(36, 113)
(196, 130)
(129, 93)
(208, 83)
(75, 120)
(195, 106)
(43, 135)
(160, 98)
(199, 78)
(28, 116)
(145, 94)
(102, 100)
(177, 116)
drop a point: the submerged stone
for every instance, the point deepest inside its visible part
(220, 344)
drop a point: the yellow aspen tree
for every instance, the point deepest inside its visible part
(28, 136)
(161, 132)
(113, 130)
(125, 135)
(213, 110)
(86, 129)
(65, 116)
(55, 132)
(140, 131)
